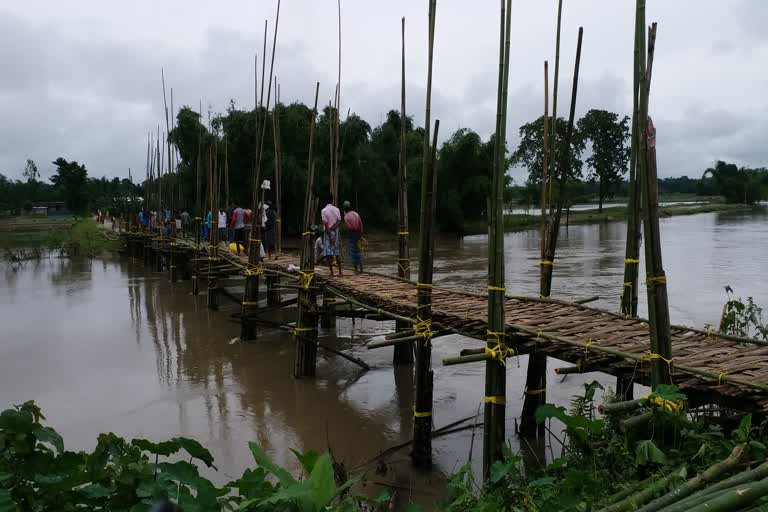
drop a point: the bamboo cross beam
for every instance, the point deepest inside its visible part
(403, 340)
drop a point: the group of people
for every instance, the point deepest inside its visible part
(233, 224)
(168, 220)
(328, 242)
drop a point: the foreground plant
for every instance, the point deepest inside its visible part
(37, 474)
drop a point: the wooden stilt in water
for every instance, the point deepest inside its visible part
(328, 316)
(421, 455)
(403, 354)
(273, 291)
(213, 252)
(306, 325)
(536, 377)
(495, 369)
(655, 279)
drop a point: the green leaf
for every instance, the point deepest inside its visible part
(97, 490)
(165, 448)
(50, 436)
(741, 434)
(196, 450)
(499, 471)
(322, 481)
(307, 459)
(647, 451)
(264, 461)
(6, 502)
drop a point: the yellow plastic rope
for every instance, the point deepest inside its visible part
(303, 329)
(417, 414)
(589, 344)
(403, 233)
(306, 279)
(710, 331)
(652, 356)
(535, 391)
(423, 328)
(426, 286)
(306, 233)
(498, 349)
(546, 262)
(498, 400)
(628, 284)
(213, 258)
(404, 268)
(653, 281)
(247, 303)
(254, 240)
(631, 260)
(720, 376)
(255, 271)
(496, 289)
(663, 403)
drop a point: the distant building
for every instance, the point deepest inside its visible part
(50, 208)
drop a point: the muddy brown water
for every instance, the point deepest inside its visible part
(109, 345)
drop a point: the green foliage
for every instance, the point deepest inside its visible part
(741, 318)
(736, 185)
(608, 137)
(72, 179)
(37, 474)
(530, 151)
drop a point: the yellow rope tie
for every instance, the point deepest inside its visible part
(535, 391)
(423, 328)
(631, 260)
(306, 233)
(250, 303)
(589, 344)
(254, 240)
(496, 289)
(539, 332)
(546, 262)
(417, 414)
(498, 400)
(720, 376)
(426, 286)
(173, 244)
(278, 220)
(663, 403)
(403, 233)
(628, 284)
(543, 296)
(404, 268)
(254, 271)
(198, 218)
(213, 258)
(710, 331)
(329, 299)
(496, 347)
(653, 281)
(306, 279)
(652, 356)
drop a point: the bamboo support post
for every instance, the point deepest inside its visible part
(400, 334)
(403, 354)
(621, 407)
(306, 324)
(273, 290)
(401, 341)
(327, 317)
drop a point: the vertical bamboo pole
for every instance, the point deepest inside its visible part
(213, 256)
(306, 325)
(655, 279)
(278, 165)
(263, 65)
(544, 168)
(422, 410)
(403, 353)
(553, 142)
(536, 377)
(495, 375)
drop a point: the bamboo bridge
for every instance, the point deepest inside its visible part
(710, 367)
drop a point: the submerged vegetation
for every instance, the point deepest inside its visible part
(62, 237)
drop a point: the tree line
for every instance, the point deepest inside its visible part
(597, 158)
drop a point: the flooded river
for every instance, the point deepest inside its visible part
(109, 345)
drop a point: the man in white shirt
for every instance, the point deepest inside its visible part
(238, 222)
(331, 217)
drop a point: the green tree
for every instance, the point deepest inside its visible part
(530, 151)
(72, 179)
(610, 153)
(738, 185)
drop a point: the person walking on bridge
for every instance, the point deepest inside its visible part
(331, 217)
(238, 222)
(355, 227)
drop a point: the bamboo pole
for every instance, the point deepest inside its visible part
(495, 370)
(403, 354)
(263, 65)
(213, 255)
(545, 163)
(306, 324)
(632, 251)
(278, 168)
(658, 303)
(421, 455)
(552, 149)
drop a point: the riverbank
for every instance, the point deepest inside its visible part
(520, 222)
(73, 236)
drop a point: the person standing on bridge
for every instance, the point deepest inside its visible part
(331, 217)
(222, 225)
(238, 222)
(355, 227)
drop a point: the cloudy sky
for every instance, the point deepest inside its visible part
(81, 78)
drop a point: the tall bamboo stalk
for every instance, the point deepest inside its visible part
(545, 163)
(632, 250)
(422, 411)
(306, 325)
(656, 281)
(553, 147)
(168, 137)
(403, 353)
(263, 65)
(278, 164)
(495, 375)
(536, 377)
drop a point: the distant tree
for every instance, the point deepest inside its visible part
(72, 179)
(530, 151)
(610, 153)
(30, 171)
(738, 185)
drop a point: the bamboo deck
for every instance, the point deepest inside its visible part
(736, 372)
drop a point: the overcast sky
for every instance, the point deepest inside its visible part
(81, 78)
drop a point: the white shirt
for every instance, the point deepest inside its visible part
(222, 219)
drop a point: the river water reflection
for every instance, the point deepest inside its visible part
(107, 345)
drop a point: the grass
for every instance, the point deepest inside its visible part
(75, 237)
